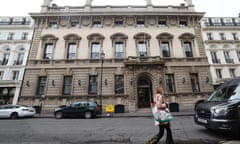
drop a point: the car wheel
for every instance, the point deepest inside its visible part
(14, 115)
(88, 115)
(58, 115)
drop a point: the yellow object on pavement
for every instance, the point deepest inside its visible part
(109, 108)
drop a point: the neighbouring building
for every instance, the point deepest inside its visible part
(222, 44)
(116, 55)
(15, 40)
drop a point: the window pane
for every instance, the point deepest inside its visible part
(72, 48)
(188, 49)
(119, 84)
(93, 84)
(41, 85)
(20, 59)
(95, 50)
(194, 82)
(170, 83)
(165, 49)
(119, 50)
(142, 49)
(67, 87)
(48, 51)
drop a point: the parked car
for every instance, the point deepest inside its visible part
(16, 111)
(221, 111)
(86, 109)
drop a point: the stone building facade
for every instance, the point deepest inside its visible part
(116, 55)
(222, 44)
(15, 39)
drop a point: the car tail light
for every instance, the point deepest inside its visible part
(97, 108)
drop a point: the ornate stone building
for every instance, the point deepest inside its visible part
(116, 55)
(222, 44)
(15, 39)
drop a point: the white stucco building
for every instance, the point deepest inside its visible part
(222, 43)
(15, 40)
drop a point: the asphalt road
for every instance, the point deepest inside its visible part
(134, 130)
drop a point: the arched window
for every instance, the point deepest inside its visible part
(142, 43)
(119, 44)
(71, 44)
(165, 40)
(188, 43)
(48, 44)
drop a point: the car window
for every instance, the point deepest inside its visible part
(75, 105)
(235, 92)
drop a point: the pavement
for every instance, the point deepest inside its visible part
(145, 113)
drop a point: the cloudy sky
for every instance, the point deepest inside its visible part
(213, 8)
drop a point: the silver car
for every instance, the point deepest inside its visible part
(16, 111)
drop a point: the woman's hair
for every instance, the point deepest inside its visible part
(160, 90)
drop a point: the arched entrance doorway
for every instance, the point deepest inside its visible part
(144, 91)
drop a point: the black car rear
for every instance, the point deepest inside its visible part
(86, 109)
(222, 109)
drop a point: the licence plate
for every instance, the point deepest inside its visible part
(202, 120)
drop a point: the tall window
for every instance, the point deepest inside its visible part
(222, 36)
(17, 35)
(219, 73)
(93, 84)
(3, 35)
(25, 36)
(194, 82)
(119, 50)
(209, 36)
(5, 58)
(188, 49)
(232, 73)
(48, 50)
(227, 57)
(215, 60)
(15, 75)
(10, 36)
(20, 58)
(235, 36)
(165, 49)
(119, 84)
(170, 83)
(142, 48)
(71, 52)
(67, 85)
(95, 50)
(1, 75)
(41, 85)
(238, 55)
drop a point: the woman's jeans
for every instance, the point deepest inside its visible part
(169, 139)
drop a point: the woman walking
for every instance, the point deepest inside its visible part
(160, 102)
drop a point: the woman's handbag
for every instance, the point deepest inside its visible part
(161, 115)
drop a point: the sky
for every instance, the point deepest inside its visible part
(212, 8)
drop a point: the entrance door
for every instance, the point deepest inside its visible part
(144, 92)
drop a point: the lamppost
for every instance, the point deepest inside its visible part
(102, 55)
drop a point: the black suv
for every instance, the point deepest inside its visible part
(86, 109)
(221, 111)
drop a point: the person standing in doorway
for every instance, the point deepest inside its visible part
(161, 103)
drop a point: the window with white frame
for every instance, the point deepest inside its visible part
(165, 49)
(235, 36)
(215, 59)
(209, 36)
(15, 75)
(10, 36)
(119, 50)
(72, 51)
(17, 35)
(20, 58)
(219, 73)
(93, 85)
(119, 84)
(48, 51)
(227, 57)
(118, 22)
(67, 85)
(188, 49)
(170, 84)
(97, 23)
(232, 73)
(238, 54)
(6, 56)
(25, 36)
(95, 50)
(1, 75)
(216, 21)
(142, 48)
(222, 36)
(194, 82)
